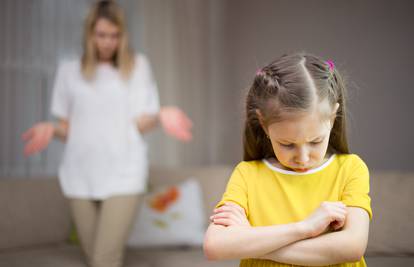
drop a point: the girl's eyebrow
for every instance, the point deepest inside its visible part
(312, 140)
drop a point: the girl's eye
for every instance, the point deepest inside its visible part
(316, 143)
(287, 145)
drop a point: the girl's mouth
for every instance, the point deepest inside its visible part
(301, 170)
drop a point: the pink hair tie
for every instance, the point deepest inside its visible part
(259, 72)
(331, 64)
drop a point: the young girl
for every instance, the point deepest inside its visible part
(300, 197)
(104, 103)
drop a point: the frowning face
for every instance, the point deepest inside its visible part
(301, 143)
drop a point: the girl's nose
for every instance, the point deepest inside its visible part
(302, 157)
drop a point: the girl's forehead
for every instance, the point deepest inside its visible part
(302, 128)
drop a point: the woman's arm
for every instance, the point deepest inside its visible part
(39, 136)
(347, 245)
(147, 122)
(174, 122)
(61, 129)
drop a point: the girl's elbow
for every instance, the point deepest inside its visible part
(210, 249)
(355, 252)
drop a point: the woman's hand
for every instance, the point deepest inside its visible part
(176, 123)
(38, 137)
(328, 214)
(230, 214)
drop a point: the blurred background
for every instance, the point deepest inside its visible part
(204, 55)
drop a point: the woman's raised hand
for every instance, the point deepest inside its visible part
(176, 123)
(328, 214)
(38, 137)
(230, 214)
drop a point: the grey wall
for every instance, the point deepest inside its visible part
(371, 41)
(204, 55)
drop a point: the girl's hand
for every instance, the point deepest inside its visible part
(176, 123)
(329, 214)
(230, 214)
(38, 137)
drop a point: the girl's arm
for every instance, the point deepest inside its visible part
(230, 236)
(174, 122)
(237, 242)
(347, 245)
(38, 137)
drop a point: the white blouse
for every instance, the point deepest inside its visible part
(105, 154)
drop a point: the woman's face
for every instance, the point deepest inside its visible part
(106, 38)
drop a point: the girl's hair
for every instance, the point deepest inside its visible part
(123, 58)
(291, 84)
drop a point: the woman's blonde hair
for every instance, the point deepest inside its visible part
(123, 58)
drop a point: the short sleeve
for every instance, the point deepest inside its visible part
(60, 103)
(356, 190)
(236, 190)
(145, 97)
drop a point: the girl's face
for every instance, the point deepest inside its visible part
(106, 39)
(301, 143)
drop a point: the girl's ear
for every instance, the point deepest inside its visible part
(333, 116)
(261, 121)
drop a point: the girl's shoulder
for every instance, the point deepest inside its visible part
(348, 158)
(350, 161)
(250, 168)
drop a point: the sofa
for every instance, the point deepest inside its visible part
(35, 221)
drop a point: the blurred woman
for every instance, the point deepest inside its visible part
(104, 103)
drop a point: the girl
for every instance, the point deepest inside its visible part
(104, 103)
(300, 197)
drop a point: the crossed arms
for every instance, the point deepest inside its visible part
(230, 236)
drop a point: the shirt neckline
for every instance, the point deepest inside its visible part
(280, 170)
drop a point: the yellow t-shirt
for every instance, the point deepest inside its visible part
(271, 195)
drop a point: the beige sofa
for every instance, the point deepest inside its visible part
(35, 222)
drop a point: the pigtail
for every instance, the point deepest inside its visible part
(338, 142)
(256, 143)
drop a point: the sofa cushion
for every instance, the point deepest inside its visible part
(33, 211)
(392, 227)
(213, 181)
(170, 217)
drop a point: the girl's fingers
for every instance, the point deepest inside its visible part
(228, 220)
(337, 225)
(338, 220)
(339, 210)
(227, 215)
(228, 212)
(233, 210)
(226, 208)
(224, 222)
(237, 207)
(339, 204)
